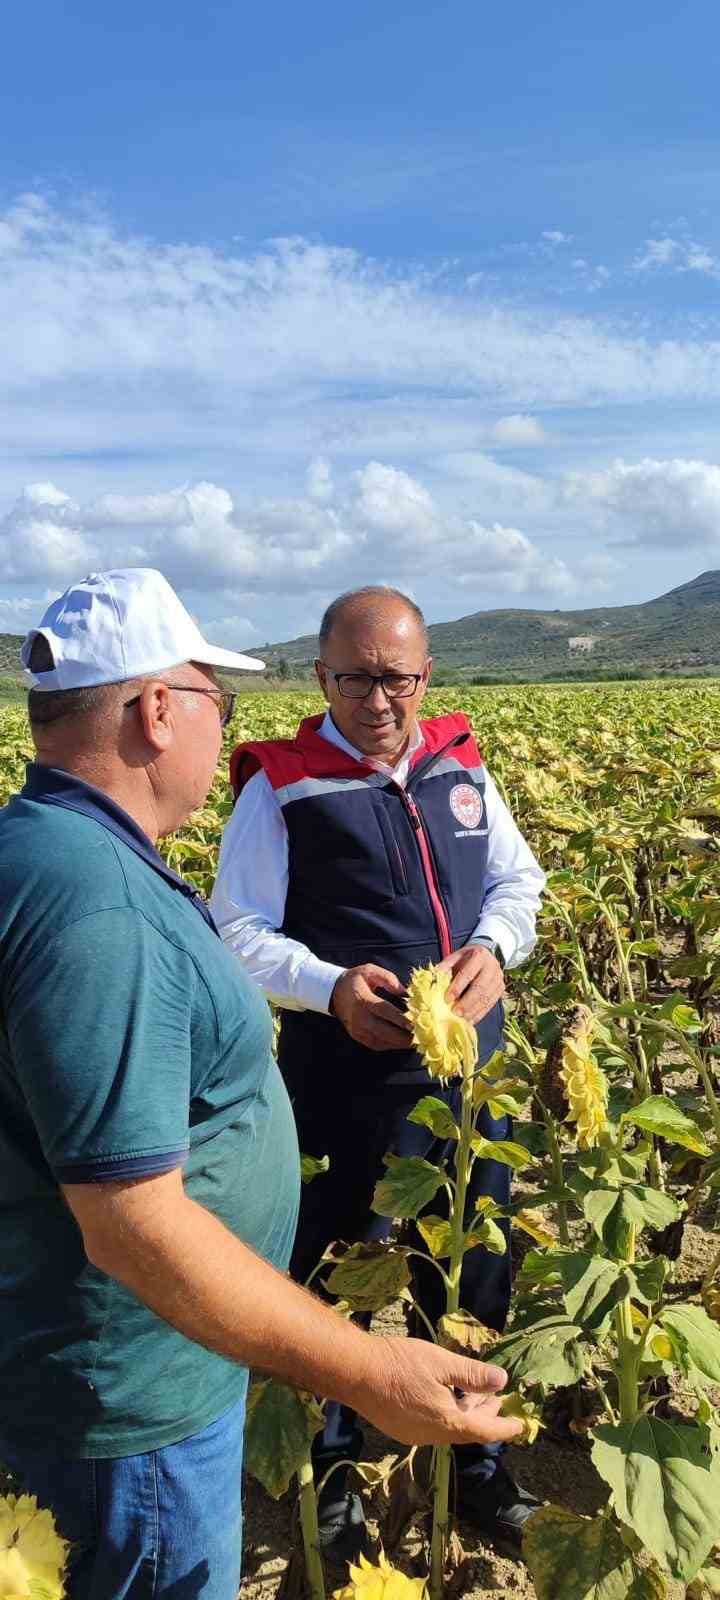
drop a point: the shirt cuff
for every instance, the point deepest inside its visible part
(492, 930)
(313, 986)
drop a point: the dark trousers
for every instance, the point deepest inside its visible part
(355, 1124)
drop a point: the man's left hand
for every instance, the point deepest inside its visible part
(477, 983)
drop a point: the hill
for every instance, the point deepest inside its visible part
(10, 652)
(677, 633)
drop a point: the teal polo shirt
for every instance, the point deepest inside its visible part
(131, 1042)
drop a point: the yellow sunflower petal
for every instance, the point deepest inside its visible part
(447, 1043)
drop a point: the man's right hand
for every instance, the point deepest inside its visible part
(368, 1018)
(420, 1394)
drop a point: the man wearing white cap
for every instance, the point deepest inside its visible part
(148, 1156)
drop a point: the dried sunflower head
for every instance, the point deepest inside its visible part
(447, 1043)
(382, 1582)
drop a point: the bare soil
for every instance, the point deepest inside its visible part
(558, 1468)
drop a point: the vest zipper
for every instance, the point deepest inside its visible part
(428, 866)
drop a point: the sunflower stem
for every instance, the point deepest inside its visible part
(443, 1458)
(310, 1530)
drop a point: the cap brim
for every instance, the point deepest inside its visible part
(213, 656)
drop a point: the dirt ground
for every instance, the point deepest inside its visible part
(558, 1468)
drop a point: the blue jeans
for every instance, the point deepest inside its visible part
(162, 1526)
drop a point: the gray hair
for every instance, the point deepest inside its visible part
(372, 592)
(46, 706)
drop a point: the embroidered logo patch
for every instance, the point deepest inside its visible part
(466, 805)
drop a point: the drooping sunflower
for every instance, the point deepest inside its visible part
(447, 1043)
(382, 1582)
(571, 1084)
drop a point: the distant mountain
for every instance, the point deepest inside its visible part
(677, 633)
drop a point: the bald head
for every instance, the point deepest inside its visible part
(374, 606)
(374, 669)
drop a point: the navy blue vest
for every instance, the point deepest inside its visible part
(377, 872)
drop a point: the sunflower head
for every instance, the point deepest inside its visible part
(382, 1582)
(447, 1043)
(32, 1554)
(584, 1085)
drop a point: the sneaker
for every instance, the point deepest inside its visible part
(342, 1528)
(498, 1509)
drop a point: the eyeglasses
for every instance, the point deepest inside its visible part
(225, 700)
(358, 685)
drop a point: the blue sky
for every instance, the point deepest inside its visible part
(298, 297)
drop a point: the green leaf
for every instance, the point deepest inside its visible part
(666, 1484)
(531, 1136)
(370, 1276)
(489, 1235)
(697, 1336)
(548, 1352)
(494, 1065)
(658, 1115)
(408, 1186)
(616, 1213)
(504, 1151)
(434, 1114)
(280, 1426)
(593, 1286)
(501, 1096)
(437, 1233)
(682, 1016)
(539, 1266)
(312, 1166)
(581, 1558)
(650, 1279)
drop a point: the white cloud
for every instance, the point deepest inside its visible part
(518, 429)
(382, 518)
(116, 343)
(554, 236)
(235, 632)
(17, 610)
(680, 255)
(673, 503)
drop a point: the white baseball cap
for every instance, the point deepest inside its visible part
(113, 626)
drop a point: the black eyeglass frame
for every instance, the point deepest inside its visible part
(221, 695)
(373, 679)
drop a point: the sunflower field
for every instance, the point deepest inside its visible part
(612, 1075)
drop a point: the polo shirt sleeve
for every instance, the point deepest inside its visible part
(99, 1028)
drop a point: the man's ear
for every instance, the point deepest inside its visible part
(321, 675)
(155, 710)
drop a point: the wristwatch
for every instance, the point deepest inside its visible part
(490, 944)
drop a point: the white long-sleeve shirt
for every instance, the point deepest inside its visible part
(248, 900)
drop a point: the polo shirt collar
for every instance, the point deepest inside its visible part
(54, 787)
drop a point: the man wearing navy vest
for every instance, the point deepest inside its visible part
(369, 844)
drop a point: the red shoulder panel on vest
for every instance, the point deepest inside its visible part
(286, 761)
(440, 731)
(308, 755)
